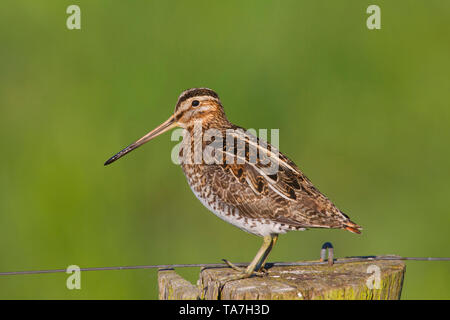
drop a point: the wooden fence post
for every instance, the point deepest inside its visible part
(368, 280)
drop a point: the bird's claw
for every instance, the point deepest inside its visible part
(243, 274)
(263, 271)
(260, 272)
(233, 266)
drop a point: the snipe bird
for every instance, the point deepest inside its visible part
(244, 193)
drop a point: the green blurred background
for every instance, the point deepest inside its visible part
(365, 114)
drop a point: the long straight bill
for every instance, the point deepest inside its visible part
(169, 124)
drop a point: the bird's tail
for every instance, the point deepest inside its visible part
(352, 227)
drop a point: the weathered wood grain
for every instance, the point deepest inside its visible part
(348, 281)
(173, 287)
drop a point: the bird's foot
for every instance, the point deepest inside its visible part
(263, 271)
(233, 277)
(233, 266)
(260, 272)
(243, 274)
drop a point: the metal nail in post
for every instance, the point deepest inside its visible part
(327, 246)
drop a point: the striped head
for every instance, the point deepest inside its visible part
(197, 104)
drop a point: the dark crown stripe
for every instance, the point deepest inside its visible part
(196, 92)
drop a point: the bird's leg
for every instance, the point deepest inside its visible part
(261, 268)
(262, 253)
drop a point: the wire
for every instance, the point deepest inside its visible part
(221, 265)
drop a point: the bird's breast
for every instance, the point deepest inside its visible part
(219, 192)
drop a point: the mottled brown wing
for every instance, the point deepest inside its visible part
(286, 194)
(269, 170)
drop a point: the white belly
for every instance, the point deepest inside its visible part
(259, 227)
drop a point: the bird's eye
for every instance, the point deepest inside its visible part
(195, 103)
